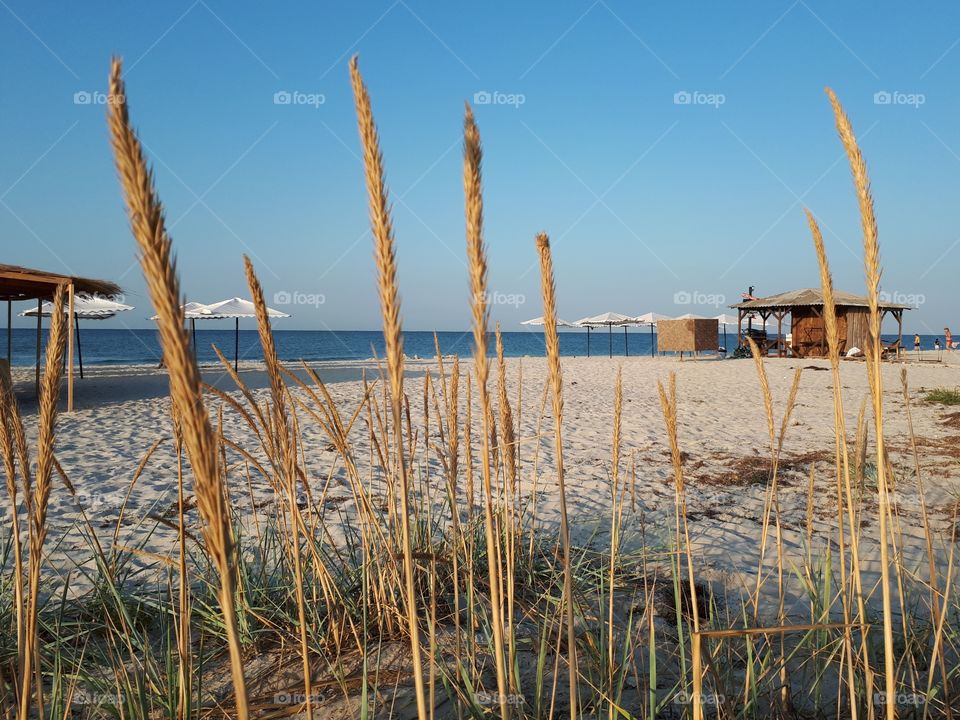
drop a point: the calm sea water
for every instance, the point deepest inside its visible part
(116, 346)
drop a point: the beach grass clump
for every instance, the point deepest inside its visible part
(943, 396)
(404, 566)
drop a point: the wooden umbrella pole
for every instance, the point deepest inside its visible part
(193, 331)
(610, 336)
(76, 325)
(70, 307)
(588, 341)
(39, 325)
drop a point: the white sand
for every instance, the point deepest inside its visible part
(121, 411)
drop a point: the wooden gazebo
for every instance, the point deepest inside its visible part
(808, 333)
(19, 283)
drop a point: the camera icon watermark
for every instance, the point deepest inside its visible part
(896, 97)
(296, 297)
(695, 297)
(295, 97)
(96, 97)
(484, 97)
(696, 97)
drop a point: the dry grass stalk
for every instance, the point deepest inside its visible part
(844, 489)
(385, 255)
(9, 415)
(37, 507)
(616, 506)
(287, 441)
(556, 384)
(477, 261)
(935, 606)
(508, 444)
(871, 260)
(668, 405)
(147, 223)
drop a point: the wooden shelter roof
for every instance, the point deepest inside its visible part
(22, 283)
(811, 297)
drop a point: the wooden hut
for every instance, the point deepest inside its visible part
(808, 332)
(19, 283)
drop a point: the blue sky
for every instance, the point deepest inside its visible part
(667, 148)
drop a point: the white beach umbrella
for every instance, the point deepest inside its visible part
(725, 320)
(190, 312)
(651, 319)
(538, 322)
(84, 306)
(609, 319)
(690, 316)
(234, 308)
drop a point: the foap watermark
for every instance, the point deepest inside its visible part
(291, 698)
(901, 298)
(296, 97)
(695, 297)
(904, 698)
(896, 97)
(96, 97)
(485, 97)
(496, 297)
(488, 699)
(295, 297)
(685, 698)
(83, 696)
(95, 502)
(697, 97)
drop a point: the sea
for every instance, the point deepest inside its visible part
(101, 346)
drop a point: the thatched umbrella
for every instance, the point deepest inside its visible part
(651, 319)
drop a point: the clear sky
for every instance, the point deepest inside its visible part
(668, 148)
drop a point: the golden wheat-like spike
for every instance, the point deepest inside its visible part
(841, 465)
(548, 289)
(477, 264)
(868, 221)
(147, 224)
(385, 256)
(871, 262)
(37, 510)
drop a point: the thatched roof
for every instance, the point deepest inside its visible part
(810, 297)
(22, 283)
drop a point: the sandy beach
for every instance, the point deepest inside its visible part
(123, 411)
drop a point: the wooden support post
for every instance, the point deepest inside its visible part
(900, 332)
(10, 333)
(70, 321)
(39, 326)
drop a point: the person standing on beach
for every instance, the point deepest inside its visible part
(948, 338)
(916, 343)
